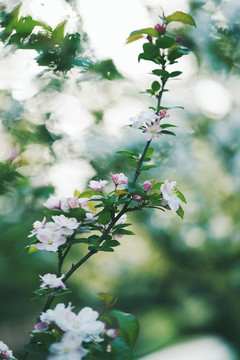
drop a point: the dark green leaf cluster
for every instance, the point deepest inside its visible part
(57, 50)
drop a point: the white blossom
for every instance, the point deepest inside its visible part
(169, 197)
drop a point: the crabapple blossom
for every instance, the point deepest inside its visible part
(52, 203)
(147, 186)
(73, 202)
(5, 352)
(49, 240)
(121, 220)
(169, 197)
(145, 117)
(61, 316)
(98, 185)
(37, 225)
(137, 197)
(64, 205)
(68, 349)
(63, 221)
(91, 216)
(112, 333)
(119, 179)
(152, 131)
(86, 325)
(52, 281)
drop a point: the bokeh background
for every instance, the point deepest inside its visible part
(180, 278)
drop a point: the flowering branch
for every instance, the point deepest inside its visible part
(60, 331)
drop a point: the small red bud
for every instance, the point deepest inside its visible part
(160, 28)
(178, 38)
(149, 37)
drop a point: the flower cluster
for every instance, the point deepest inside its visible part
(5, 352)
(50, 234)
(77, 329)
(149, 122)
(118, 179)
(66, 204)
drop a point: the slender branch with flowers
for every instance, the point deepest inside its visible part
(60, 333)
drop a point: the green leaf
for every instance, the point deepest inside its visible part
(177, 53)
(175, 73)
(89, 193)
(166, 132)
(128, 324)
(156, 186)
(104, 217)
(108, 299)
(151, 51)
(45, 338)
(93, 240)
(147, 167)
(36, 348)
(164, 126)
(58, 32)
(106, 248)
(155, 86)
(128, 153)
(182, 17)
(149, 151)
(78, 213)
(111, 243)
(120, 350)
(148, 31)
(180, 212)
(180, 196)
(123, 232)
(133, 38)
(162, 73)
(106, 69)
(165, 42)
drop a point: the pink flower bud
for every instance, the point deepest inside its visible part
(149, 38)
(162, 113)
(178, 38)
(160, 29)
(147, 186)
(137, 197)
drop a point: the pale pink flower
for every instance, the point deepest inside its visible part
(147, 186)
(98, 185)
(86, 325)
(137, 197)
(119, 179)
(112, 333)
(169, 197)
(152, 131)
(5, 352)
(64, 205)
(63, 221)
(52, 281)
(91, 216)
(37, 225)
(73, 202)
(52, 203)
(68, 349)
(121, 220)
(145, 117)
(83, 202)
(62, 316)
(49, 240)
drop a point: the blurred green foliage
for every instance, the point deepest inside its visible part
(187, 280)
